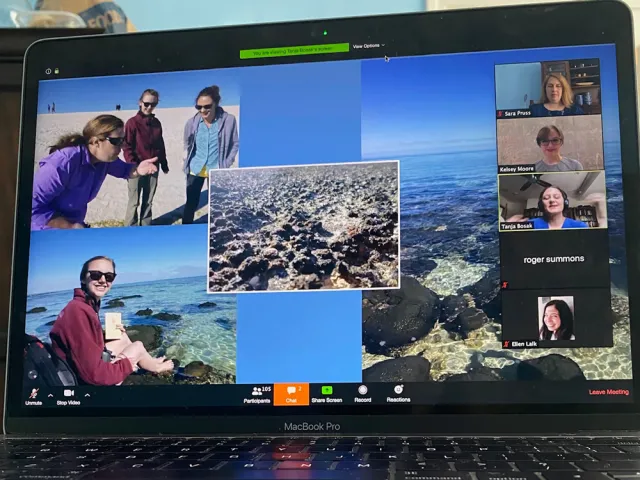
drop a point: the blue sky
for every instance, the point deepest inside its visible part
(140, 253)
(177, 89)
(446, 103)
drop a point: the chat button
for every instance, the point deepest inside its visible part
(291, 394)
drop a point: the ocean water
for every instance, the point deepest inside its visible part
(449, 217)
(205, 334)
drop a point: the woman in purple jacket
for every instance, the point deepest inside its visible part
(77, 165)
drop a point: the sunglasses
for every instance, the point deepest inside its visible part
(150, 104)
(115, 141)
(96, 275)
(208, 106)
(552, 141)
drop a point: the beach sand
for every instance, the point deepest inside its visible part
(108, 208)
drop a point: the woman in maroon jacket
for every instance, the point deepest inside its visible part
(142, 135)
(78, 338)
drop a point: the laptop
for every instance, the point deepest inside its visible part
(397, 246)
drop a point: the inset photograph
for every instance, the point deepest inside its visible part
(561, 144)
(136, 155)
(304, 227)
(552, 201)
(101, 307)
(556, 318)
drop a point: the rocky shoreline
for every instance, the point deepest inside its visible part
(303, 228)
(413, 334)
(194, 373)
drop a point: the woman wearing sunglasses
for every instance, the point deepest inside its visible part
(77, 334)
(77, 165)
(210, 141)
(143, 139)
(550, 140)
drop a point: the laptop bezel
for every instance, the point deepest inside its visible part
(506, 28)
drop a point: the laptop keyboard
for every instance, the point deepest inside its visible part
(418, 458)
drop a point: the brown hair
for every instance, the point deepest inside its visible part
(150, 91)
(213, 91)
(567, 92)
(100, 127)
(544, 133)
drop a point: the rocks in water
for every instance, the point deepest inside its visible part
(404, 369)
(470, 319)
(149, 335)
(197, 369)
(478, 374)
(115, 303)
(486, 289)
(50, 324)
(549, 367)
(452, 305)
(128, 297)
(167, 316)
(37, 310)
(208, 305)
(144, 313)
(394, 318)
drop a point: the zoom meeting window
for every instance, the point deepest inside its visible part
(332, 223)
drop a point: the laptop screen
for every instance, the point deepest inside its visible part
(419, 230)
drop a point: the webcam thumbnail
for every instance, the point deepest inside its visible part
(548, 89)
(567, 318)
(552, 201)
(562, 144)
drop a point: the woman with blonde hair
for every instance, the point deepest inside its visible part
(77, 165)
(557, 98)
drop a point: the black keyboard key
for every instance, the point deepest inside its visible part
(449, 457)
(562, 457)
(373, 465)
(607, 457)
(132, 464)
(432, 449)
(426, 475)
(178, 456)
(44, 474)
(192, 465)
(538, 449)
(505, 457)
(544, 466)
(330, 448)
(433, 466)
(380, 449)
(481, 449)
(473, 466)
(244, 466)
(506, 476)
(234, 457)
(336, 457)
(629, 448)
(574, 476)
(624, 475)
(289, 465)
(393, 456)
(591, 449)
(614, 466)
(281, 457)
